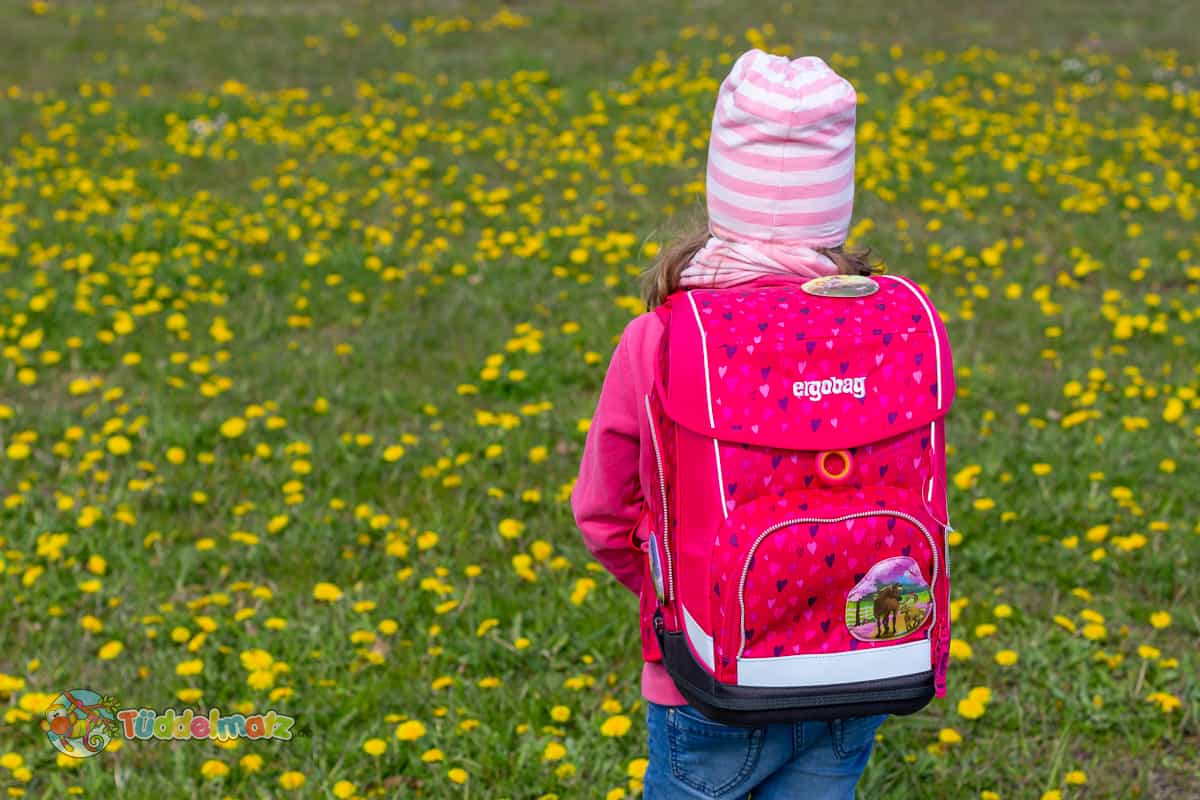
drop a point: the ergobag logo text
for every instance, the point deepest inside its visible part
(796, 556)
(815, 390)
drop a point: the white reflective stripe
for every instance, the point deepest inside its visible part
(937, 347)
(720, 479)
(822, 669)
(704, 349)
(933, 450)
(702, 643)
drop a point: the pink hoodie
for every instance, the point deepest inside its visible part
(618, 468)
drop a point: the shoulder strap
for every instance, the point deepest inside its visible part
(664, 311)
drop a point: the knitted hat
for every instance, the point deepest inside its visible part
(781, 155)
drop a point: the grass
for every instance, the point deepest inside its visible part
(290, 408)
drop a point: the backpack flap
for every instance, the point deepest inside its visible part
(778, 367)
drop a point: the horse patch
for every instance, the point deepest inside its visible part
(891, 601)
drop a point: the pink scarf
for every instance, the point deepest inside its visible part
(722, 263)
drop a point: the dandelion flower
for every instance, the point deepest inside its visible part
(511, 528)
(949, 736)
(327, 592)
(111, 650)
(292, 780)
(970, 708)
(617, 725)
(233, 427)
(410, 731)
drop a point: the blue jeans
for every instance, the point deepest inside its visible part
(693, 757)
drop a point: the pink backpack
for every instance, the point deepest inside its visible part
(798, 552)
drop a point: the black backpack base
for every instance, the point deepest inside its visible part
(752, 706)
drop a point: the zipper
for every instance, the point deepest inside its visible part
(668, 592)
(828, 521)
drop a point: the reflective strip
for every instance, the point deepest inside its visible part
(720, 479)
(933, 449)
(701, 642)
(822, 669)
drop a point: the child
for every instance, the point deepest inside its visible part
(780, 183)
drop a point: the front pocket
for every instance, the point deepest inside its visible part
(814, 567)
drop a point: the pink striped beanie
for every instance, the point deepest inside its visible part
(781, 155)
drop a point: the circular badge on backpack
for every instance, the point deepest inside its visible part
(841, 286)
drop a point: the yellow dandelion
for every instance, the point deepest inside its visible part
(1006, 658)
(511, 528)
(327, 592)
(1165, 701)
(188, 668)
(617, 725)
(410, 731)
(292, 780)
(118, 445)
(111, 650)
(970, 708)
(233, 427)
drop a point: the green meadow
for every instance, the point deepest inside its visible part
(304, 309)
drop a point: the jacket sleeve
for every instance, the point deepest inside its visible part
(607, 498)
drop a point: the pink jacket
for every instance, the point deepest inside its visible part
(618, 463)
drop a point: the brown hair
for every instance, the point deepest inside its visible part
(662, 278)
